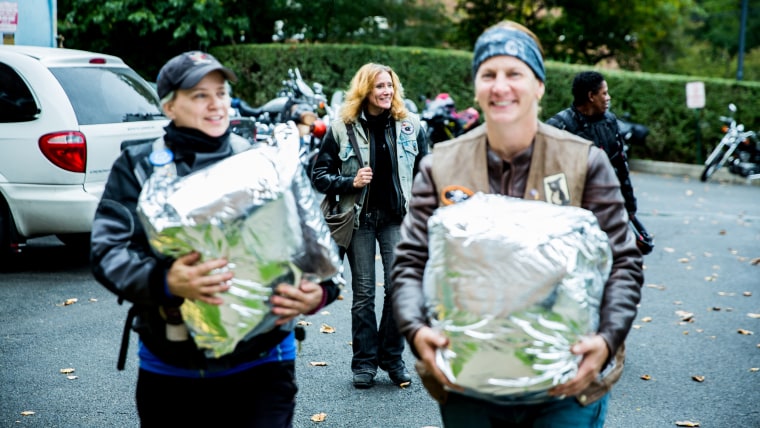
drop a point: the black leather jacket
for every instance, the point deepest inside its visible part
(603, 131)
(123, 261)
(332, 177)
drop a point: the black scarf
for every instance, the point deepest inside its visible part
(194, 147)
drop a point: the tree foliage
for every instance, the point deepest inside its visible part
(580, 31)
(145, 33)
(670, 36)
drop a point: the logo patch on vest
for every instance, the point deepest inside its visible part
(407, 128)
(556, 190)
(454, 194)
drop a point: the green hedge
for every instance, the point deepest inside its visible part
(656, 100)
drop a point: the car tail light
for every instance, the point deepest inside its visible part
(67, 150)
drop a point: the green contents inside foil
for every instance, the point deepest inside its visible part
(257, 209)
(514, 284)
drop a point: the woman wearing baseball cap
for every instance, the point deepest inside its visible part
(177, 385)
(513, 154)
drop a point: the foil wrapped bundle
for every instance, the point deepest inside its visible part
(258, 210)
(513, 284)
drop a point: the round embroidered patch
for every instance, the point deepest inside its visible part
(161, 157)
(453, 194)
(407, 128)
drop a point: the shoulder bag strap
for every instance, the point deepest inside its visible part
(352, 140)
(355, 145)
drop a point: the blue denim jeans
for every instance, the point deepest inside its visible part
(464, 411)
(373, 347)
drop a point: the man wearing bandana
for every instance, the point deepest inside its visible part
(514, 154)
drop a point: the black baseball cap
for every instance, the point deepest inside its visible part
(185, 71)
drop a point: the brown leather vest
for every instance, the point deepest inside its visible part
(557, 168)
(557, 175)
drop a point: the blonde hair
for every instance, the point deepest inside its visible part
(362, 85)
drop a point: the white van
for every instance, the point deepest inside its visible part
(64, 116)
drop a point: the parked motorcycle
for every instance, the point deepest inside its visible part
(739, 150)
(295, 101)
(443, 122)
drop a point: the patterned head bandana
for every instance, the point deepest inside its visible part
(512, 42)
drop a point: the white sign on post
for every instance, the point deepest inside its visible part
(8, 17)
(695, 95)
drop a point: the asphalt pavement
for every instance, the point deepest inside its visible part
(693, 353)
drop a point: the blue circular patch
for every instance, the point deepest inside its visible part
(161, 157)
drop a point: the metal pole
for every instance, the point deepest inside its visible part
(742, 30)
(700, 159)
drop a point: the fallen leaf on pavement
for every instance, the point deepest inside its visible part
(687, 424)
(755, 261)
(754, 369)
(698, 378)
(668, 250)
(744, 332)
(340, 297)
(324, 313)
(646, 319)
(68, 302)
(92, 299)
(319, 417)
(726, 293)
(685, 316)
(659, 287)
(747, 294)
(318, 363)
(753, 315)
(404, 385)
(326, 329)
(304, 323)
(27, 413)
(646, 377)
(72, 377)
(684, 260)
(67, 370)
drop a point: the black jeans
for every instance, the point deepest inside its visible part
(261, 397)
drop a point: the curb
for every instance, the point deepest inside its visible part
(687, 170)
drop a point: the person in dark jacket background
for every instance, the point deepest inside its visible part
(589, 117)
(254, 386)
(391, 143)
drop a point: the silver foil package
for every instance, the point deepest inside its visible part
(258, 210)
(513, 284)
